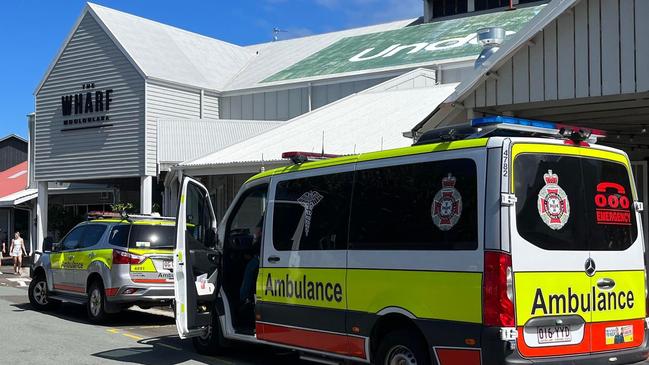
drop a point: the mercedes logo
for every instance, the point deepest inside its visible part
(590, 267)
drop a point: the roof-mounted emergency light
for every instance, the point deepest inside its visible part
(301, 157)
(503, 126)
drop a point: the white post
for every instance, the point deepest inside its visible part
(41, 215)
(146, 192)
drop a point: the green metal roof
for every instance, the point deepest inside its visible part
(427, 43)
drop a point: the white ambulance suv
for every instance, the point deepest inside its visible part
(506, 241)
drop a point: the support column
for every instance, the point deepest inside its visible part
(41, 215)
(146, 192)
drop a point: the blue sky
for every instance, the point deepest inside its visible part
(31, 32)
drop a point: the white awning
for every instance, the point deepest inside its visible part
(18, 197)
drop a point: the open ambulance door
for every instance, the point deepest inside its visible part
(197, 260)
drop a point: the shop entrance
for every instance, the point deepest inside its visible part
(21, 224)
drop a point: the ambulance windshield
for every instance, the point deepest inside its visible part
(574, 203)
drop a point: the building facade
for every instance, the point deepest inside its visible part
(118, 78)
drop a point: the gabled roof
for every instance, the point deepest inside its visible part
(15, 136)
(163, 52)
(205, 135)
(272, 57)
(371, 120)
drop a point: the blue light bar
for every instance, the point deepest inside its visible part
(498, 119)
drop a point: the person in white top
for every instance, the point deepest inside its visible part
(17, 251)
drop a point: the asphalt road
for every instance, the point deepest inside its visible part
(64, 336)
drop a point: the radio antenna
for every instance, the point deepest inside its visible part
(276, 32)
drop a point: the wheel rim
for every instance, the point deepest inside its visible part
(400, 355)
(206, 336)
(40, 293)
(95, 302)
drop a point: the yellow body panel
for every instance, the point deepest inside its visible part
(454, 296)
(541, 294)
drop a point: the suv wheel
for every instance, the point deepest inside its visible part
(39, 295)
(96, 302)
(401, 347)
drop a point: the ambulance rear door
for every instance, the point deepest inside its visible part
(550, 254)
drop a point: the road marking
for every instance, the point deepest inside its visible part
(169, 346)
(113, 330)
(20, 281)
(137, 338)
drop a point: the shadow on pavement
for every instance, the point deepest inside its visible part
(158, 351)
(77, 313)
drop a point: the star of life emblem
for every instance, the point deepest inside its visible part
(553, 204)
(309, 200)
(447, 205)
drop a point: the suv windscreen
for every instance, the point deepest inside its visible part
(574, 203)
(152, 236)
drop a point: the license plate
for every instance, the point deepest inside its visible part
(167, 265)
(553, 334)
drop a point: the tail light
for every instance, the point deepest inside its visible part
(125, 258)
(498, 290)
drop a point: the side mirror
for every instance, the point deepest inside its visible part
(55, 246)
(48, 244)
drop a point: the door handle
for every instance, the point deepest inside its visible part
(605, 283)
(273, 259)
(212, 257)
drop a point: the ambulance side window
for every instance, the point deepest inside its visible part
(73, 239)
(312, 213)
(245, 226)
(422, 206)
(92, 235)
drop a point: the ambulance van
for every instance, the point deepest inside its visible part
(505, 241)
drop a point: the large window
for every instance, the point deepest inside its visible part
(199, 230)
(312, 213)
(423, 206)
(73, 239)
(574, 203)
(490, 4)
(245, 227)
(443, 8)
(119, 235)
(152, 236)
(92, 235)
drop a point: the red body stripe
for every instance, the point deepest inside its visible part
(321, 341)
(599, 335)
(73, 288)
(155, 281)
(448, 356)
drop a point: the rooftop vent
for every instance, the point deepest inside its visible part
(490, 39)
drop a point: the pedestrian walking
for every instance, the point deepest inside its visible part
(17, 251)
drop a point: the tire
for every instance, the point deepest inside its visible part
(402, 347)
(96, 306)
(39, 295)
(213, 343)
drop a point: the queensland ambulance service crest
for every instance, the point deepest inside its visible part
(553, 204)
(447, 205)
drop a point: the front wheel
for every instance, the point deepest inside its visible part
(39, 295)
(212, 342)
(402, 348)
(96, 306)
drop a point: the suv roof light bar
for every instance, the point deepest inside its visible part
(502, 126)
(125, 216)
(298, 157)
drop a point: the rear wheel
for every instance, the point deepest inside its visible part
(402, 348)
(96, 306)
(39, 295)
